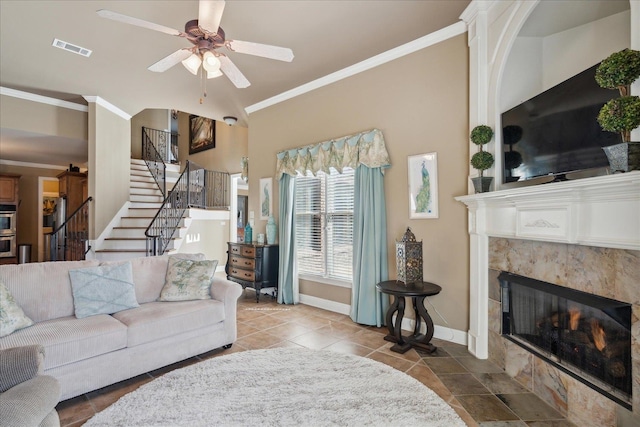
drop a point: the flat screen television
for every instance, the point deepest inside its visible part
(556, 132)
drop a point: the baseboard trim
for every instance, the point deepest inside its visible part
(97, 243)
(325, 304)
(441, 332)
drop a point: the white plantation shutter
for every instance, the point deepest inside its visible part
(324, 224)
(308, 226)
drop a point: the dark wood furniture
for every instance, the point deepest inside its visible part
(252, 265)
(418, 292)
(9, 189)
(9, 204)
(74, 188)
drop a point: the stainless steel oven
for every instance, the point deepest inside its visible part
(7, 223)
(7, 246)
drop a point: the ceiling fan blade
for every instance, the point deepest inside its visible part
(169, 61)
(138, 22)
(264, 50)
(210, 14)
(234, 74)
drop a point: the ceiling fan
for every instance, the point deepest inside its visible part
(207, 38)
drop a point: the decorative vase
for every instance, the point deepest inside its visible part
(481, 184)
(623, 157)
(248, 231)
(272, 230)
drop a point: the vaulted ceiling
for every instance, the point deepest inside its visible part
(325, 35)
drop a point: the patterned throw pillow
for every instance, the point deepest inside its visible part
(12, 317)
(106, 289)
(188, 280)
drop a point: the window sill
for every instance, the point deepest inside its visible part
(325, 280)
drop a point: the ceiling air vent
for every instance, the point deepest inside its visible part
(71, 47)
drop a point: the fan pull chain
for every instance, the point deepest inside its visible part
(203, 81)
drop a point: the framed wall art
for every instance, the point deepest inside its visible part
(202, 134)
(423, 186)
(266, 198)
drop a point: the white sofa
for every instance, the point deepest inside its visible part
(92, 352)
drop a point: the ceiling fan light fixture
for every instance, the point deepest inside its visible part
(210, 62)
(230, 120)
(192, 64)
(213, 74)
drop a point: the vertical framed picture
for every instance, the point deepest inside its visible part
(202, 134)
(423, 186)
(266, 198)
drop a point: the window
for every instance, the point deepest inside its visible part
(324, 224)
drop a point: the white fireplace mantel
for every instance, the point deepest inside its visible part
(601, 211)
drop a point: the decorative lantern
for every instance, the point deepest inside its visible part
(409, 258)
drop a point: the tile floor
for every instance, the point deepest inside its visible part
(480, 392)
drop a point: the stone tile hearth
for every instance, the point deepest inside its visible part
(608, 272)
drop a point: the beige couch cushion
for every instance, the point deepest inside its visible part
(43, 289)
(157, 320)
(67, 340)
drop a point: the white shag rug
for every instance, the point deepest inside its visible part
(281, 387)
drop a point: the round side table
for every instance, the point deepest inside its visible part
(418, 292)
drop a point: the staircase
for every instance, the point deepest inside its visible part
(127, 239)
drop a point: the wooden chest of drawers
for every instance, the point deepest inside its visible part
(252, 265)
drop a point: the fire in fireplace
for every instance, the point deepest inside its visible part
(585, 335)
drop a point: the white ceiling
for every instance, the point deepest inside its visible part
(325, 36)
(554, 16)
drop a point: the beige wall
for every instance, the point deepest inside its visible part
(151, 118)
(231, 146)
(420, 103)
(109, 142)
(208, 237)
(44, 119)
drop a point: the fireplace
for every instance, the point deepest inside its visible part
(587, 336)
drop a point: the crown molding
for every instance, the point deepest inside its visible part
(42, 99)
(107, 105)
(390, 55)
(476, 6)
(32, 165)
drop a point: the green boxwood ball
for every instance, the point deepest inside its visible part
(481, 134)
(482, 160)
(620, 114)
(619, 69)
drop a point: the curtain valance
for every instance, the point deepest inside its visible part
(366, 148)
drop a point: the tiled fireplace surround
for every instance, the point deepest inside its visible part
(613, 273)
(584, 235)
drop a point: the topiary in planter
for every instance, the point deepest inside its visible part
(482, 160)
(618, 71)
(621, 115)
(481, 135)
